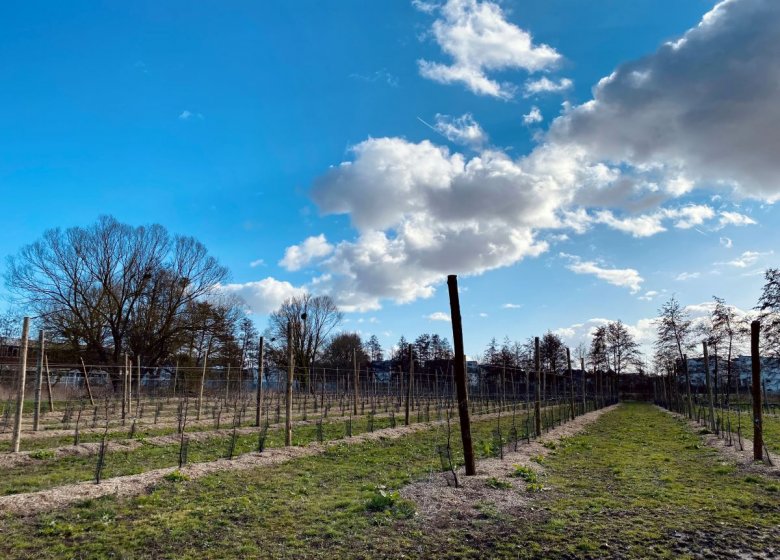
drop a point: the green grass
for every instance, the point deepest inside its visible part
(770, 425)
(637, 484)
(311, 507)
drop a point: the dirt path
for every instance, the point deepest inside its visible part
(45, 500)
(741, 455)
(438, 500)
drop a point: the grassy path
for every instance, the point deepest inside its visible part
(637, 484)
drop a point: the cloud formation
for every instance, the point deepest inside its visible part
(621, 277)
(705, 104)
(298, 256)
(264, 296)
(479, 39)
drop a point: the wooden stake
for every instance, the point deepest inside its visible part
(260, 361)
(537, 401)
(713, 427)
(38, 382)
(461, 384)
(355, 383)
(138, 385)
(86, 380)
(758, 434)
(571, 382)
(409, 383)
(202, 379)
(289, 392)
(48, 383)
(22, 377)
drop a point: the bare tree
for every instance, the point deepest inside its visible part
(312, 319)
(769, 311)
(673, 331)
(622, 347)
(96, 285)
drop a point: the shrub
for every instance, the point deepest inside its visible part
(497, 484)
(176, 476)
(526, 473)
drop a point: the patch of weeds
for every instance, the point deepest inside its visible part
(497, 484)
(772, 488)
(549, 444)
(753, 479)
(384, 501)
(42, 454)
(535, 487)
(176, 476)
(538, 459)
(526, 473)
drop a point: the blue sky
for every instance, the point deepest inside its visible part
(232, 122)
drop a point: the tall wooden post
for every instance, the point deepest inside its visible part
(38, 382)
(289, 392)
(571, 383)
(688, 381)
(138, 384)
(584, 385)
(260, 367)
(129, 374)
(21, 379)
(758, 434)
(202, 379)
(713, 427)
(86, 381)
(410, 381)
(537, 400)
(461, 385)
(355, 382)
(124, 391)
(48, 383)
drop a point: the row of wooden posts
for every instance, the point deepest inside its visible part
(671, 397)
(459, 370)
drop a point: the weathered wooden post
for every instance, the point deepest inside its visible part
(260, 367)
(713, 427)
(21, 379)
(355, 382)
(48, 383)
(124, 391)
(38, 382)
(584, 385)
(537, 400)
(289, 391)
(86, 380)
(138, 383)
(461, 385)
(571, 382)
(202, 379)
(688, 382)
(758, 435)
(410, 381)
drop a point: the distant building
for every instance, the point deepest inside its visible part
(741, 369)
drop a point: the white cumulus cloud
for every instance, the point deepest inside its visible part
(298, 256)
(479, 39)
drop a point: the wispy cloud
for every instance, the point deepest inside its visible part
(621, 277)
(187, 115)
(546, 85)
(533, 116)
(378, 76)
(437, 316)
